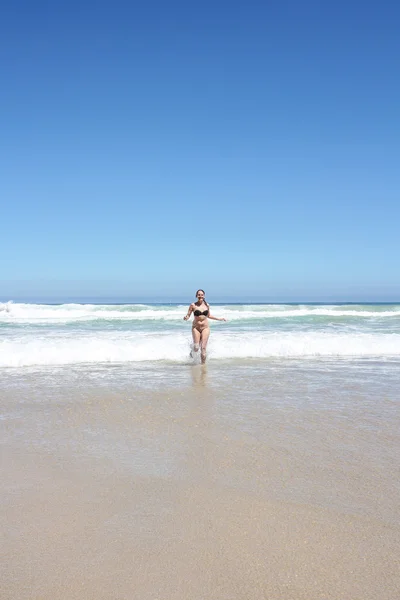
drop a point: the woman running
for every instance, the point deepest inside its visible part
(200, 328)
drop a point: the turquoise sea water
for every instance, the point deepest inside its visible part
(44, 335)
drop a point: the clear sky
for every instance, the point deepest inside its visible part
(248, 148)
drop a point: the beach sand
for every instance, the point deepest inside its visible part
(171, 494)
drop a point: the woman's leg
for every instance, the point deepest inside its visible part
(196, 339)
(205, 334)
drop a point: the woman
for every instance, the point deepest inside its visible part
(200, 328)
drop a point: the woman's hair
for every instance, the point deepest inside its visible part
(204, 299)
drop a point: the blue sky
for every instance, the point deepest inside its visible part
(251, 149)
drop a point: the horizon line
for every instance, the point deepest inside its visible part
(178, 300)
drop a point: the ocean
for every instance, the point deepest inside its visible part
(131, 471)
(41, 335)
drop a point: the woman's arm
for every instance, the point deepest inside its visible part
(189, 312)
(214, 318)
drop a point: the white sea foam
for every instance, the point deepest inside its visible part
(68, 313)
(125, 347)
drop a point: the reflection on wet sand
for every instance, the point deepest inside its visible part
(199, 375)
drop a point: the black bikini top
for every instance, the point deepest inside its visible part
(198, 313)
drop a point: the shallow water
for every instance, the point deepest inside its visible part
(334, 426)
(79, 334)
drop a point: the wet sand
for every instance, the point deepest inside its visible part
(171, 494)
